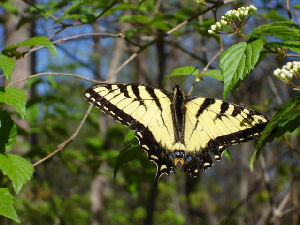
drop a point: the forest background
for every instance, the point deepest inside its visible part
(65, 163)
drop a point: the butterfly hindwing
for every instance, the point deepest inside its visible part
(214, 124)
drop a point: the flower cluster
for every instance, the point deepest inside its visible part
(241, 14)
(288, 71)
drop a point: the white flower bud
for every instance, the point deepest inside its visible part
(223, 22)
(213, 27)
(218, 24)
(210, 32)
(289, 65)
(282, 75)
(276, 72)
(289, 75)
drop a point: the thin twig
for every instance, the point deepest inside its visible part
(40, 10)
(155, 40)
(63, 144)
(53, 74)
(293, 209)
(208, 64)
(105, 10)
(184, 50)
(292, 55)
(117, 35)
(288, 10)
(277, 213)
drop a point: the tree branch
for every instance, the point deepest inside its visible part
(53, 74)
(67, 141)
(177, 27)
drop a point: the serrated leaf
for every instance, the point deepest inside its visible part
(129, 152)
(287, 125)
(281, 118)
(18, 170)
(291, 45)
(214, 74)
(14, 97)
(7, 65)
(39, 40)
(183, 71)
(7, 208)
(8, 132)
(237, 61)
(283, 30)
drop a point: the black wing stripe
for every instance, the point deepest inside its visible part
(136, 92)
(123, 89)
(207, 102)
(236, 110)
(153, 95)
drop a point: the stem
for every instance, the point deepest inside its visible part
(243, 35)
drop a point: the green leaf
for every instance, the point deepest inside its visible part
(214, 74)
(287, 125)
(130, 151)
(283, 30)
(14, 97)
(227, 155)
(291, 45)
(296, 6)
(281, 122)
(7, 65)
(8, 132)
(237, 61)
(183, 71)
(7, 208)
(18, 169)
(39, 40)
(135, 18)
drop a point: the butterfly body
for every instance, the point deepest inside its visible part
(173, 128)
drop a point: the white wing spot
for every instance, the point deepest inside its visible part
(119, 118)
(139, 134)
(98, 103)
(104, 107)
(206, 164)
(145, 147)
(217, 157)
(163, 167)
(87, 95)
(98, 89)
(154, 157)
(112, 113)
(92, 99)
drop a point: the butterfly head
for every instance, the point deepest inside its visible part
(178, 156)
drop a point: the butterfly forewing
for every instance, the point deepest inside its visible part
(144, 109)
